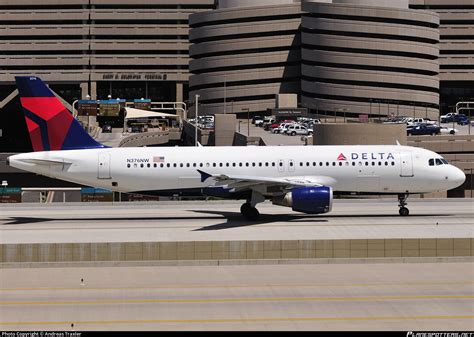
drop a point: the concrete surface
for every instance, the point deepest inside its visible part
(410, 297)
(171, 221)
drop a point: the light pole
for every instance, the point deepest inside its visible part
(248, 120)
(196, 121)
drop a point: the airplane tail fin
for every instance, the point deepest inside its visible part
(50, 125)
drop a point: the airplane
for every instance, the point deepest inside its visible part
(304, 178)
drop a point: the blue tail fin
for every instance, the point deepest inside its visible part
(50, 125)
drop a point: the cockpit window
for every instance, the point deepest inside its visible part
(438, 162)
(431, 162)
(444, 161)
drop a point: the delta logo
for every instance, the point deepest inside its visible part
(341, 157)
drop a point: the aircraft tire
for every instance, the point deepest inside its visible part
(249, 212)
(404, 211)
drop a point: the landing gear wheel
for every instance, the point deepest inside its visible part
(249, 212)
(402, 202)
(404, 211)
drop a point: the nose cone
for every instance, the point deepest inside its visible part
(456, 176)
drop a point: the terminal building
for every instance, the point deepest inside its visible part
(332, 57)
(347, 57)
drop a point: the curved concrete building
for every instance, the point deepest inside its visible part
(362, 59)
(243, 54)
(350, 57)
(456, 49)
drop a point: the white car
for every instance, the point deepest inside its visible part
(258, 122)
(293, 130)
(282, 128)
(446, 130)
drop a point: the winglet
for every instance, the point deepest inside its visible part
(204, 175)
(398, 143)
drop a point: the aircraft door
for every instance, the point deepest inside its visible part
(104, 166)
(406, 164)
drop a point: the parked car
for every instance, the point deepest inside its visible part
(106, 128)
(446, 130)
(448, 117)
(423, 129)
(255, 118)
(282, 127)
(461, 119)
(296, 129)
(419, 120)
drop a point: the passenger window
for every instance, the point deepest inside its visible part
(353, 163)
(373, 163)
(227, 164)
(301, 163)
(181, 165)
(260, 164)
(220, 164)
(141, 165)
(393, 163)
(194, 164)
(128, 165)
(168, 165)
(333, 164)
(366, 163)
(340, 163)
(431, 162)
(266, 163)
(386, 163)
(307, 164)
(281, 163)
(247, 164)
(214, 165)
(320, 163)
(327, 163)
(175, 165)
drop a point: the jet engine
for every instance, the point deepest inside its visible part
(310, 200)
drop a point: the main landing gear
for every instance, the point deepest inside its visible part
(248, 209)
(249, 212)
(402, 198)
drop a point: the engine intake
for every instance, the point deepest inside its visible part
(310, 200)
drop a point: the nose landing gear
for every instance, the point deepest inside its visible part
(403, 211)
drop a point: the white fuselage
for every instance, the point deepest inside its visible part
(368, 169)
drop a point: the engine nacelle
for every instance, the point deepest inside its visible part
(310, 200)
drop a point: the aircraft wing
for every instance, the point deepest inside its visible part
(241, 182)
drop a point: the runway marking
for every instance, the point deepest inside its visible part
(241, 300)
(240, 320)
(197, 286)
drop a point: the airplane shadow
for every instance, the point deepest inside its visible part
(32, 220)
(235, 219)
(232, 219)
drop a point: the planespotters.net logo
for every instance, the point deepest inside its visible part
(439, 334)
